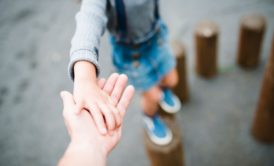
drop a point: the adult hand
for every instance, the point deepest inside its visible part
(85, 138)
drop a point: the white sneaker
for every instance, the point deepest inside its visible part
(170, 103)
(157, 130)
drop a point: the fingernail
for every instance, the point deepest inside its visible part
(131, 86)
(62, 94)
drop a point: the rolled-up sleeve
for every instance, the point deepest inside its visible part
(90, 26)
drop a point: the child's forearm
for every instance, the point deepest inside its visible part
(84, 71)
(90, 25)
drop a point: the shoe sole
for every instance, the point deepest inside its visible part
(171, 110)
(160, 141)
(153, 138)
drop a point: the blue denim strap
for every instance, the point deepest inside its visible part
(156, 9)
(108, 5)
(121, 17)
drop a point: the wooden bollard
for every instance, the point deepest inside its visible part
(171, 154)
(263, 125)
(250, 42)
(206, 38)
(181, 89)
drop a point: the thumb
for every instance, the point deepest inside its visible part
(68, 101)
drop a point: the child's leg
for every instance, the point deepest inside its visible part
(150, 100)
(157, 130)
(169, 102)
(170, 80)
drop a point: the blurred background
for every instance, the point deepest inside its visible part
(215, 123)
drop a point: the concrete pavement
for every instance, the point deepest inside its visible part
(35, 41)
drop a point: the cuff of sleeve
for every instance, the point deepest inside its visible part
(82, 55)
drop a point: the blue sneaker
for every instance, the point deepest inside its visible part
(157, 130)
(170, 102)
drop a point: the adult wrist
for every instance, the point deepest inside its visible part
(87, 149)
(78, 153)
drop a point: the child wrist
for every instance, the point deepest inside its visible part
(84, 70)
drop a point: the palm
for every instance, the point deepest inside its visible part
(90, 132)
(82, 126)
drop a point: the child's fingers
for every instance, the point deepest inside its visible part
(109, 85)
(98, 118)
(101, 82)
(109, 116)
(125, 100)
(119, 88)
(117, 115)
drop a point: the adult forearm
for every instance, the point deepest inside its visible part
(83, 155)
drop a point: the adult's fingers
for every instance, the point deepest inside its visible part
(101, 82)
(98, 118)
(79, 107)
(108, 114)
(125, 100)
(119, 88)
(117, 115)
(109, 85)
(68, 127)
(68, 101)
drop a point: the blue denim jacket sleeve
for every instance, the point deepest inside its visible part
(90, 26)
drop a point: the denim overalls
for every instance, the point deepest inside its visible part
(144, 63)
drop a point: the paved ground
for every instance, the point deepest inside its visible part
(35, 40)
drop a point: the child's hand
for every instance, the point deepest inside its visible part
(86, 141)
(97, 98)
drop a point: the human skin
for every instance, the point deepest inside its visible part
(151, 98)
(88, 146)
(88, 95)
